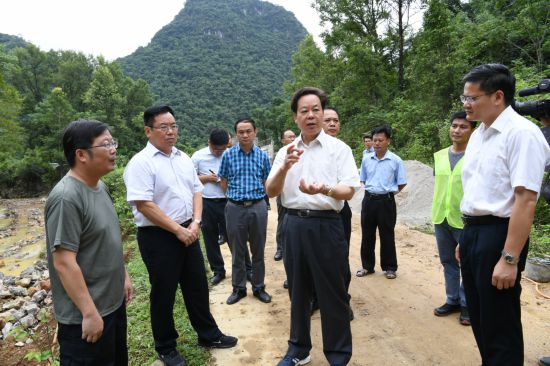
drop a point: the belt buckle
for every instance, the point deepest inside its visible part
(247, 203)
(303, 213)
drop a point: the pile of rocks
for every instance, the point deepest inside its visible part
(21, 298)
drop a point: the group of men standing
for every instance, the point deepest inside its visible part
(173, 197)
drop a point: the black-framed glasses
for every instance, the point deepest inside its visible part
(472, 98)
(165, 128)
(107, 145)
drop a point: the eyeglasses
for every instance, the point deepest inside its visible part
(165, 128)
(471, 99)
(107, 145)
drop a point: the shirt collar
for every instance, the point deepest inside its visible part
(386, 155)
(238, 146)
(500, 124)
(151, 150)
(321, 138)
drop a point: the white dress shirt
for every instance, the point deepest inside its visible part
(511, 153)
(168, 181)
(205, 162)
(325, 160)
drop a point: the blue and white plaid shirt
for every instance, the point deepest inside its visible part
(245, 173)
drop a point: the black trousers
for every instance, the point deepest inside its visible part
(381, 214)
(281, 211)
(170, 263)
(110, 350)
(213, 219)
(495, 314)
(345, 213)
(316, 256)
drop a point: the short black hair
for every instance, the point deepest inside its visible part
(367, 136)
(386, 130)
(307, 91)
(80, 134)
(245, 119)
(462, 115)
(151, 112)
(218, 137)
(332, 109)
(493, 77)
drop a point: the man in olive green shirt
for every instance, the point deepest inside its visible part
(90, 285)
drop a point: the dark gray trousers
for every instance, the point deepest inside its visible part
(247, 224)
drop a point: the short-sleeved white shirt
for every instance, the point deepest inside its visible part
(325, 160)
(205, 163)
(168, 181)
(511, 153)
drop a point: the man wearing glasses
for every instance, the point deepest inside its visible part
(82, 230)
(501, 177)
(166, 198)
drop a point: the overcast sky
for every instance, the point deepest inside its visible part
(112, 28)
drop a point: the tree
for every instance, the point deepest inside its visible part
(47, 123)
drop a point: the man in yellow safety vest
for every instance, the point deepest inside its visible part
(446, 215)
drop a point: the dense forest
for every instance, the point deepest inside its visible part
(375, 66)
(218, 60)
(378, 70)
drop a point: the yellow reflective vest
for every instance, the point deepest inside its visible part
(447, 190)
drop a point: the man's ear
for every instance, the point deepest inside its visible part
(81, 155)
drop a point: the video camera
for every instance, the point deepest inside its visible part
(537, 108)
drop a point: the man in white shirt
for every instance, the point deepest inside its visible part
(501, 177)
(314, 175)
(166, 198)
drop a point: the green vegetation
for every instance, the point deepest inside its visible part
(40, 93)
(218, 60)
(378, 70)
(539, 244)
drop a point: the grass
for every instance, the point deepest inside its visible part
(141, 350)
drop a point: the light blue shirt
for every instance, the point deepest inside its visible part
(205, 162)
(383, 175)
(369, 151)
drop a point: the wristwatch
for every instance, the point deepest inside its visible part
(198, 222)
(509, 258)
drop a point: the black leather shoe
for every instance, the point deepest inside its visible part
(235, 296)
(464, 317)
(544, 361)
(217, 278)
(223, 342)
(173, 358)
(446, 309)
(262, 296)
(285, 284)
(278, 255)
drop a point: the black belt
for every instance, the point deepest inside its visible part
(374, 196)
(484, 220)
(215, 199)
(184, 224)
(245, 203)
(325, 214)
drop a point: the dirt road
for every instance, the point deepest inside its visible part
(394, 322)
